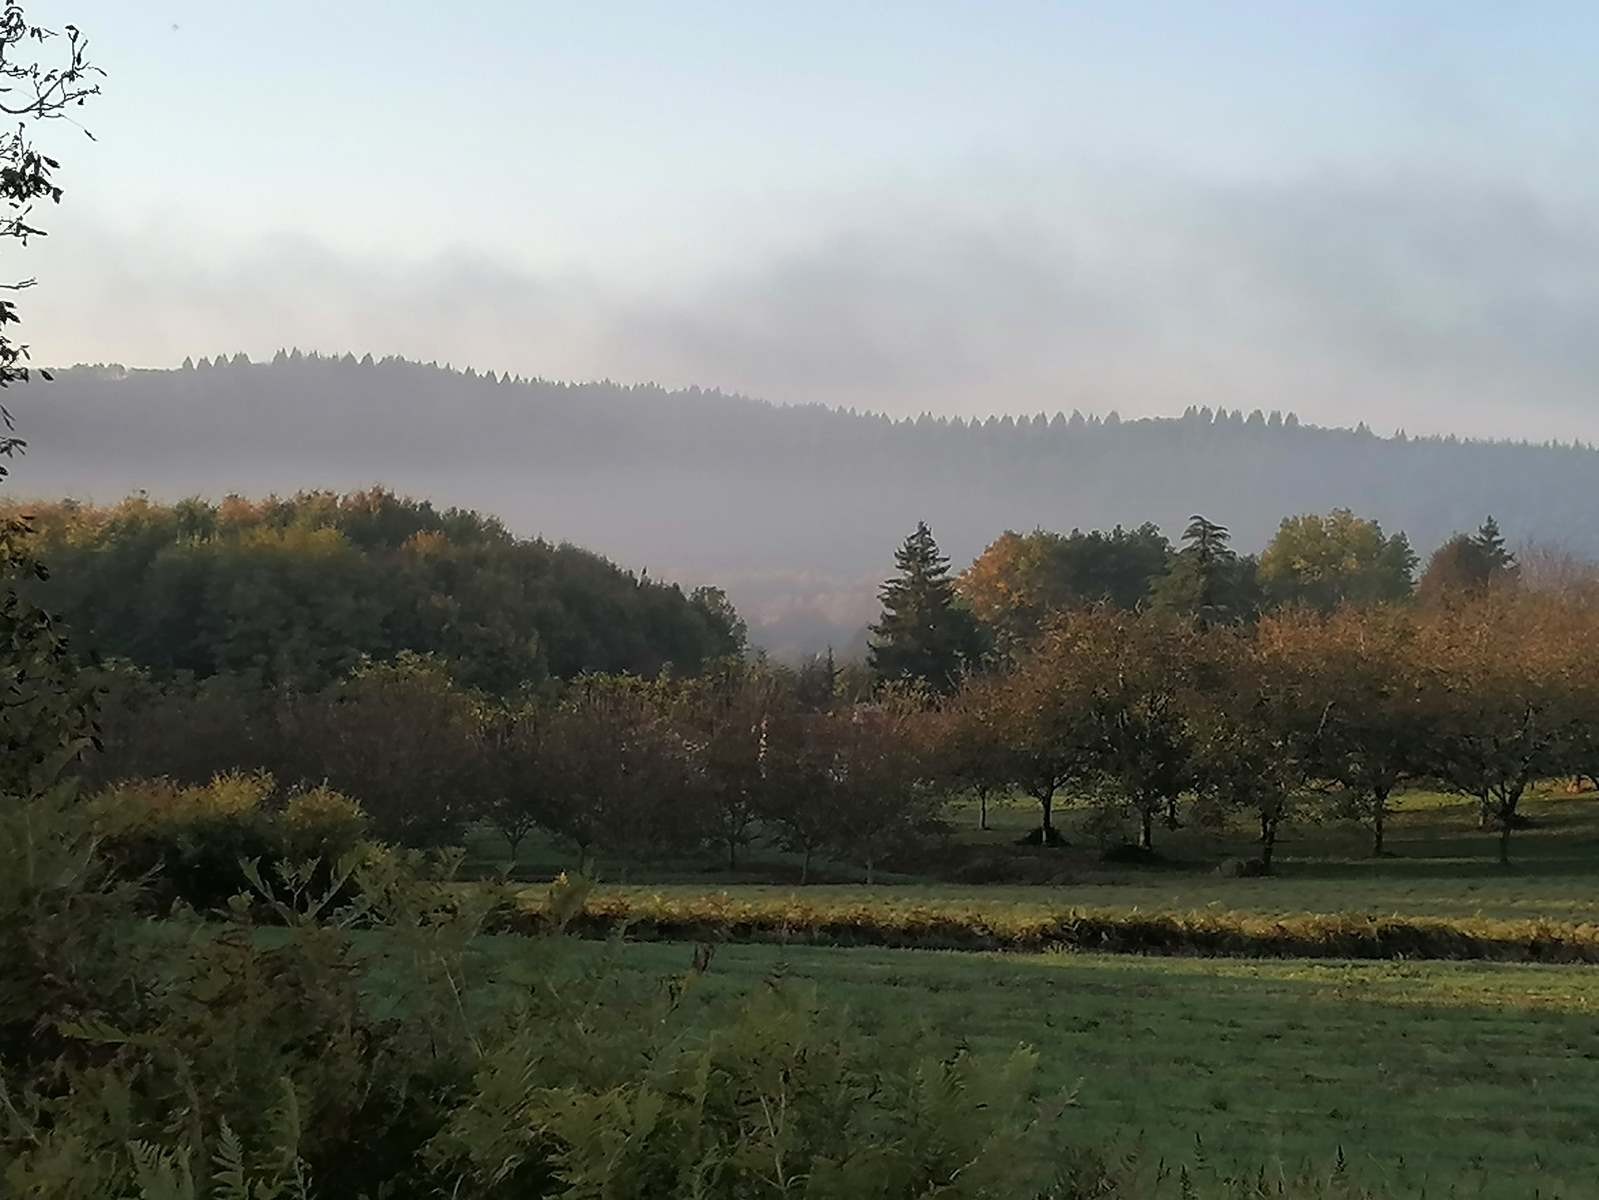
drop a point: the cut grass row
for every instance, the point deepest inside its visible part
(886, 922)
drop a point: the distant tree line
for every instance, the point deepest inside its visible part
(297, 592)
(1153, 684)
(789, 507)
(1012, 590)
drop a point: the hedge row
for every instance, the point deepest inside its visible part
(1201, 934)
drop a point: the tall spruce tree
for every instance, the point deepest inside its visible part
(1496, 556)
(924, 633)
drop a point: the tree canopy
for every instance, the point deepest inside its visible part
(299, 591)
(924, 634)
(1325, 561)
(1021, 580)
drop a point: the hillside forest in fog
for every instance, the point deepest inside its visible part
(792, 509)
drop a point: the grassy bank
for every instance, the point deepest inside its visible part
(889, 921)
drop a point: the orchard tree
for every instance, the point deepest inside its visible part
(1328, 561)
(1138, 676)
(514, 777)
(620, 769)
(728, 717)
(881, 769)
(1254, 726)
(1508, 694)
(856, 781)
(402, 738)
(1046, 724)
(1371, 733)
(804, 797)
(968, 744)
(924, 635)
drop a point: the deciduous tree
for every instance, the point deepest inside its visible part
(1326, 561)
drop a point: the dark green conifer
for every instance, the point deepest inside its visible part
(924, 633)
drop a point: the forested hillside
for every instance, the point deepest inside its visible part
(793, 509)
(297, 592)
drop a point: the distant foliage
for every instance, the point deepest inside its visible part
(1208, 579)
(1468, 566)
(788, 506)
(1021, 580)
(299, 591)
(1326, 561)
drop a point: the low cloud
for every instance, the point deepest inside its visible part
(1433, 303)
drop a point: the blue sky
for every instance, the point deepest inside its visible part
(1363, 211)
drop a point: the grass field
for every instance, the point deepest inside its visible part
(1432, 1078)
(1440, 865)
(1426, 1076)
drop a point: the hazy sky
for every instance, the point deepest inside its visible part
(1366, 210)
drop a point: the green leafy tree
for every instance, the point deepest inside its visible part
(1326, 561)
(1139, 673)
(1255, 726)
(924, 635)
(297, 591)
(1022, 580)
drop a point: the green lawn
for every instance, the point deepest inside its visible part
(1441, 865)
(1425, 1075)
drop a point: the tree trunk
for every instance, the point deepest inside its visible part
(1146, 832)
(869, 877)
(732, 854)
(1484, 811)
(1506, 824)
(1379, 819)
(1047, 834)
(1268, 840)
(805, 867)
(1171, 814)
(982, 808)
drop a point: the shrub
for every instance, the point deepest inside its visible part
(1244, 868)
(190, 841)
(320, 823)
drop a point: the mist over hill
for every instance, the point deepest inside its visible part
(795, 510)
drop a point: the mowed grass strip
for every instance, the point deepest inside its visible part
(884, 921)
(1438, 1079)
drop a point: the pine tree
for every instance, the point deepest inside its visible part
(1495, 554)
(923, 634)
